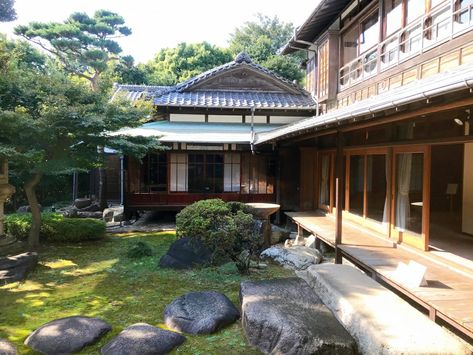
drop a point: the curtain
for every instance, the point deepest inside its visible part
(179, 173)
(324, 179)
(404, 168)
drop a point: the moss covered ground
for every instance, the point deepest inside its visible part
(98, 279)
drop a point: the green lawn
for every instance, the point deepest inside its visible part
(97, 279)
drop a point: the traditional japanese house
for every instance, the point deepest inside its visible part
(391, 154)
(209, 123)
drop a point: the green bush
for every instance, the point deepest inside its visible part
(55, 227)
(139, 250)
(227, 229)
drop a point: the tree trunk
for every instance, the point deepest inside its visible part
(30, 191)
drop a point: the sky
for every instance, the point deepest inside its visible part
(161, 24)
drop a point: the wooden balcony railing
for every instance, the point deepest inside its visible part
(440, 25)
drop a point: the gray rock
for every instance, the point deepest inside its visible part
(96, 215)
(16, 268)
(26, 209)
(94, 207)
(200, 313)
(186, 253)
(82, 202)
(113, 214)
(285, 316)
(7, 348)
(69, 211)
(143, 339)
(296, 257)
(67, 335)
(278, 234)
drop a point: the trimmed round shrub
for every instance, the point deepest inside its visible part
(139, 250)
(55, 227)
(227, 229)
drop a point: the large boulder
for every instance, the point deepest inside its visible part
(143, 339)
(7, 348)
(200, 313)
(296, 257)
(113, 214)
(67, 335)
(82, 202)
(185, 253)
(285, 316)
(16, 268)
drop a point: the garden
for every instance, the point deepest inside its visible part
(98, 279)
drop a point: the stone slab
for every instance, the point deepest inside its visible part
(380, 321)
(285, 316)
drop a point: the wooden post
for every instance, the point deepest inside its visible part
(339, 196)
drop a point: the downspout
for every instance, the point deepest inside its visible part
(122, 181)
(252, 131)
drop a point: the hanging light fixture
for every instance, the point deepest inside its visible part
(458, 121)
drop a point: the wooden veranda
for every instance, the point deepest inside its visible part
(448, 297)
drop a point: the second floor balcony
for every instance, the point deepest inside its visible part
(440, 25)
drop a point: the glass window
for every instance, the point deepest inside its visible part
(178, 173)
(369, 35)
(324, 189)
(376, 184)
(350, 45)
(323, 70)
(231, 180)
(357, 180)
(415, 9)
(393, 16)
(205, 173)
(409, 192)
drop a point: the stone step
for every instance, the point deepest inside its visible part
(380, 321)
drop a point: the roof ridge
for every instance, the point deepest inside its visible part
(242, 59)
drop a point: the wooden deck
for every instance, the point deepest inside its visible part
(449, 293)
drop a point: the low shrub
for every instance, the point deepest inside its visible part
(227, 229)
(55, 227)
(139, 250)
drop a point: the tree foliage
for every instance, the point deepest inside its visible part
(173, 65)
(50, 124)
(7, 10)
(84, 45)
(262, 40)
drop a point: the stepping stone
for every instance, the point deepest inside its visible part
(7, 348)
(186, 253)
(285, 316)
(16, 268)
(296, 257)
(379, 320)
(200, 313)
(67, 335)
(143, 339)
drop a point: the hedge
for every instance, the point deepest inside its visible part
(55, 227)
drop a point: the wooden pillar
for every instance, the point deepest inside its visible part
(339, 196)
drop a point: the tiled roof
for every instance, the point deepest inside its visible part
(235, 99)
(188, 94)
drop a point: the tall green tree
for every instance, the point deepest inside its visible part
(7, 10)
(262, 39)
(85, 46)
(173, 65)
(50, 124)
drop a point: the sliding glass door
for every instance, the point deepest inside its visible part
(366, 193)
(411, 191)
(325, 181)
